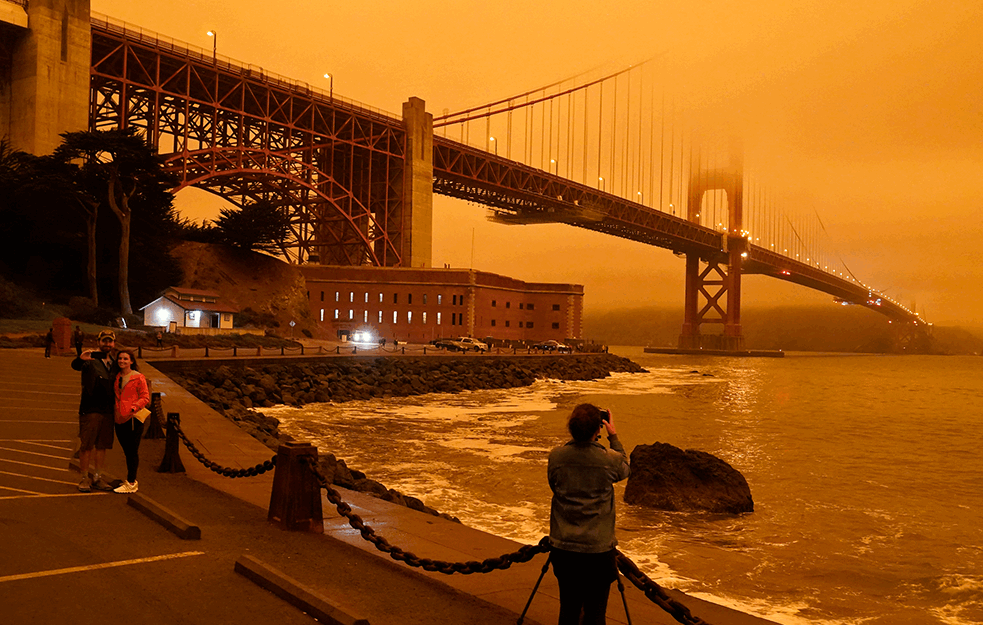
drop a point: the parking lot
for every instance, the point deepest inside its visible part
(67, 556)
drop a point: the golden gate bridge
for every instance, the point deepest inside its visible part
(607, 153)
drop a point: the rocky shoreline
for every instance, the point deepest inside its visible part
(234, 389)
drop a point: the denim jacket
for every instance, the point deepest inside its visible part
(582, 477)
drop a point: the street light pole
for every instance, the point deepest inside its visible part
(214, 35)
(330, 86)
(495, 143)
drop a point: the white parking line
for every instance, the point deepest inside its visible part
(49, 495)
(37, 466)
(39, 442)
(33, 453)
(95, 567)
(34, 477)
(22, 391)
(19, 490)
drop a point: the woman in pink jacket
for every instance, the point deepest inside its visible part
(132, 395)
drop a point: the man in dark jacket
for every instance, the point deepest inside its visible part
(96, 416)
(581, 475)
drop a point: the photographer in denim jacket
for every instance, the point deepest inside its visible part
(581, 475)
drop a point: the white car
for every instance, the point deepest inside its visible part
(467, 344)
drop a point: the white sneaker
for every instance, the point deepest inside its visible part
(126, 487)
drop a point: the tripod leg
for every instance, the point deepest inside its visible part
(546, 567)
(624, 600)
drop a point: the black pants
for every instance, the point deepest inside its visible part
(585, 581)
(129, 434)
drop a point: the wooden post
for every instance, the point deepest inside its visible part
(154, 429)
(172, 459)
(295, 502)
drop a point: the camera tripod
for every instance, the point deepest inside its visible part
(542, 574)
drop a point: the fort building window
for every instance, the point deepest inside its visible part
(521, 305)
(438, 316)
(520, 324)
(380, 316)
(529, 306)
(322, 296)
(395, 298)
(494, 303)
(395, 317)
(556, 325)
(365, 317)
(508, 304)
(440, 299)
(337, 296)
(529, 324)
(423, 319)
(351, 297)
(409, 316)
(493, 323)
(336, 313)
(556, 307)
(424, 299)
(351, 314)
(322, 314)
(380, 298)
(409, 298)
(506, 324)
(366, 297)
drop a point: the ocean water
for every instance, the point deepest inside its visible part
(866, 473)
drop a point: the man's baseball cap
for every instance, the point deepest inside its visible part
(107, 334)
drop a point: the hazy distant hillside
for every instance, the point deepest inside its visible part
(826, 328)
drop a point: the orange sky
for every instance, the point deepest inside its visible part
(870, 113)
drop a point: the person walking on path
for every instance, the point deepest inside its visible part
(581, 475)
(132, 397)
(49, 340)
(96, 407)
(160, 338)
(78, 337)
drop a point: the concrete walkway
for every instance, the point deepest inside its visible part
(72, 557)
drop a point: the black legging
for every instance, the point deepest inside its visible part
(129, 434)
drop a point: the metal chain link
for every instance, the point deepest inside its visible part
(524, 554)
(259, 469)
(655, 593)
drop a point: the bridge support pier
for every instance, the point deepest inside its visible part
(418, 186)
(44, 91)
(722, 275)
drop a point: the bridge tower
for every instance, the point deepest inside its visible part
(713, 293)
(418, 185)
(45, 60)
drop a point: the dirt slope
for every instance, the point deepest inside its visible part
(273, 289)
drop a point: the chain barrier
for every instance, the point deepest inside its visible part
(259, 469)
(524, 554)
(655, 593)
(652, 590)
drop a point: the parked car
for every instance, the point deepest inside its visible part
(461, 343)
(553, 346)
(469, 343)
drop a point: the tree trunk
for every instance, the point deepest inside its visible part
(124, 263)
(90, 269)
(120, 205)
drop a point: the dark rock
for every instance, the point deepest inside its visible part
(668, 478)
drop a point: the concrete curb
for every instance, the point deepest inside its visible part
(171, 521)
(294, 593)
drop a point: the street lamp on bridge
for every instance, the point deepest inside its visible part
(214, 35)
(494, 143)
(330, 86)
(600, 182)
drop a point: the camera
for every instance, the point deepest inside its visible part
(606, 416)
(98, 354)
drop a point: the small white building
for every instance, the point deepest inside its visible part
(179, 308)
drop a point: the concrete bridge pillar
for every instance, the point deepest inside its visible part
(418, 185)
(45, 77)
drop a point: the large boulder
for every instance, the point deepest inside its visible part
(668, 478)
